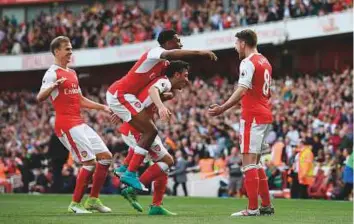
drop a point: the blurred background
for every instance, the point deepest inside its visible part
(308, 42)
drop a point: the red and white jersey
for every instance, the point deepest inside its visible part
(256, 76)
(65, 98)
(163, 85)
(146, 69)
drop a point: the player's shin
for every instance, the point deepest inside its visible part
(99, 176)
(129, 156)
(81, 182)
(263, 187)
(160, 184)
(137, 158)
(251, 185)
(153, 172)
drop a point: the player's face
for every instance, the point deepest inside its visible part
(240, 48)
(64, 52)
(175, 43)
(181, 79)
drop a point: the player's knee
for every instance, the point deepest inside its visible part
(169, 160)
(89, 163)
(104, 158)
(248, 167)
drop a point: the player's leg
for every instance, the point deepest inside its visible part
(131, 141)
(163, 161)
(249, 167)
(103, 161)
(144, 124)
(129, 193)
(266, 207)
(160, 182)
(130, 109)
(87, 160)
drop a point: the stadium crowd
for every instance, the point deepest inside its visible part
(116, 23)
(314, 111)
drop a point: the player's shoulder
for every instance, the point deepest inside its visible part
(247, 63)
(52, 69)
(158, 48)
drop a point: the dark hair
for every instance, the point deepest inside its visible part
(165, 36)
(176, 66)
(249, 36)
(56, 42)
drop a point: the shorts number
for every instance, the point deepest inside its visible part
(267, 82)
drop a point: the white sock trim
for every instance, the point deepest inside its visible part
(163, 166)
(140, 151)
(249, 167)
(105, 162)
(89, 168)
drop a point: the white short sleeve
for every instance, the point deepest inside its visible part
(246, 73)
(163, 85)
(49, 78)
(155, 53)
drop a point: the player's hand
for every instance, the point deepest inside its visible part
(164, 113)
(58, 82)
(115, 119)
(167, 96)
(211, 55)
(215, 110)
(107, 109)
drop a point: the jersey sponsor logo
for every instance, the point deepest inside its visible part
(73, 90)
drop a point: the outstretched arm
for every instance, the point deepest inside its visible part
(87, 103)
(216, 109)
(187, 54)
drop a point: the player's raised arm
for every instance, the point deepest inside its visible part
(179, 54)
(170, 48)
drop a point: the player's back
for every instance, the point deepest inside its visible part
(255, 103)
(146, 69)
(66, 98)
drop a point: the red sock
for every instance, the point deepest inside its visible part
(81, 183)
(151, 174)
(252, 185)
(129, 157)
(263, 187)
(135, 162)
(99, 178)
(159, 189)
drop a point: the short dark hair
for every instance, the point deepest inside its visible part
(249, 36)
(165, 36)
(56, 42)
(176, 66)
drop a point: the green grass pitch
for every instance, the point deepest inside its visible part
(52, 209)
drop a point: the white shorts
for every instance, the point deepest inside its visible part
(83, 143)
(157, 150)
(125, 106)
(252, 136)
